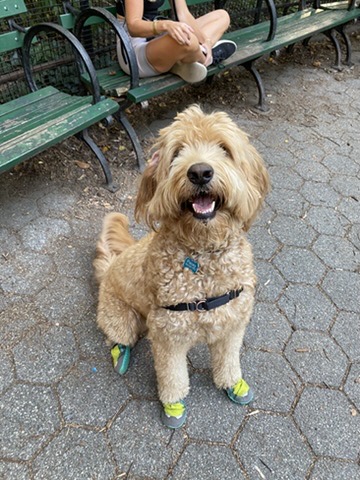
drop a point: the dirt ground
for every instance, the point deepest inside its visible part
(72, 163)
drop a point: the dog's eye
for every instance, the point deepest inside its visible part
(226, 149)
(176, 153)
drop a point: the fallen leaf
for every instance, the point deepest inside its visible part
(82, 164)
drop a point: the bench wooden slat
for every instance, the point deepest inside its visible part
(26, 100)
(43, 136)
(44, 110)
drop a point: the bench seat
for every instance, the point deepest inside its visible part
(35, 122)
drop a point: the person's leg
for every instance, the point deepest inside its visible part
(214, 24)
(163, 52)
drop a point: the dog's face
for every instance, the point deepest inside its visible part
(204, 171)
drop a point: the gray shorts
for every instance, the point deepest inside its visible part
(139, 44)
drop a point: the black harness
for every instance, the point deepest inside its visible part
(207, 304)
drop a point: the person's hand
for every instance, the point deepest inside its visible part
(179, 31)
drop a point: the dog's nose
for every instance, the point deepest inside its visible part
(200, 173)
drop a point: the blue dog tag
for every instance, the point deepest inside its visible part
(191, 264)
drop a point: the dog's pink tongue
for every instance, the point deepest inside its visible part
(203, 205)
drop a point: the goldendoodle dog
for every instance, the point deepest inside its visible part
(191, 280)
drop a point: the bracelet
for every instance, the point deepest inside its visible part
(154, 23)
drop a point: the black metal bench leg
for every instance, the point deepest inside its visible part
(332, 36)
(262, 102)
(348, 46)
(84, 135)
(121, 117)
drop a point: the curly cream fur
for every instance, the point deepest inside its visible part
(138, 279)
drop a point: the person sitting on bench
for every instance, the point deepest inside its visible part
(184, 47)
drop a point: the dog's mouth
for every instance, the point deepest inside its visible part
(202, 206)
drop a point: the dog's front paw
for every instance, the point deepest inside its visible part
(121, 358)
(174, 414)
(240, 393)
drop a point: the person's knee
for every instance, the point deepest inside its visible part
(225, 18)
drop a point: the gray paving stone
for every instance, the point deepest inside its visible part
(65, 301)
(199, 357)
(335, 433)
(269, 282)
(316, 358)
(346, 185)
(140, 377)
(307, 307)
(74, 261)
(327, 220)
(142, 444)
(92, 393)
(77, 454)
(212, 416)
(276, 140)
(207, 462)
(45, 354)
(40, 234)
(292, 231)
(91, 341)
(350, 208)
(279, 158)
(346, 332)
(312, 171)
(18, 212)
(6, 371)
(268, 328)
(273, 446)
(16, 320)
(336, 164)
(285, 177)
(327, 469)
(354, 235)
(299, 265)
(273, 381)
(26, 273)
(56, 202)
(352, 386)
(9, 470)
(336, 285)
(28, 417)
(320, 194)
(287, 202)
(8, 243)
(337, 253)
(263, 244)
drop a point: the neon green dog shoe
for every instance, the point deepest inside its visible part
(121, 358)
(174, 414)
(240, 393)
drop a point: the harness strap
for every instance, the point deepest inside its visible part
(207, 304)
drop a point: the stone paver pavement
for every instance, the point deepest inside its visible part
(64, 413)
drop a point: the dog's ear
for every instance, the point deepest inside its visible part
(147, 188)
(258, 184)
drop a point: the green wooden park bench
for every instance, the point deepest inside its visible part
(34, 118)
(258, 28)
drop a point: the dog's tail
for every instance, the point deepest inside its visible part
(114, 239)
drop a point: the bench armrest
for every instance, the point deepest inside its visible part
(80, 54)
(273, 19)
(120, 32)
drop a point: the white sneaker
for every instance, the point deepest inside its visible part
(190, 72)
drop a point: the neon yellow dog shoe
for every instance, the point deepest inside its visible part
(174, 414)
(240, 393)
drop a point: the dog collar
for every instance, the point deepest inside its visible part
(207, 304)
